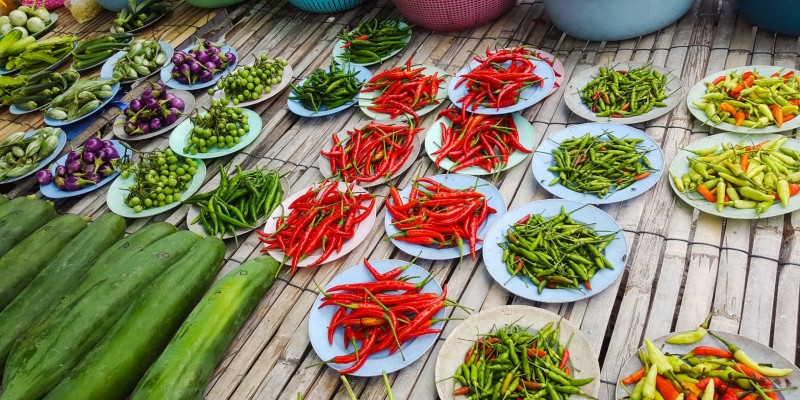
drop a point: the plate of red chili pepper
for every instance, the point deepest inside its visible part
(502, 82)
(608, 163)
(750, 99)
(370, 154)
(408, 92)
(556, 347)
(319, 224)
(478, 144)
(442, 217)
(552, 263)
(373, 307)
(729, 366)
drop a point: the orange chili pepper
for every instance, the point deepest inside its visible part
(777, 112)
(740, 116)
(642, 176)
(745, 161)
(634, 377)
(703, 191)
(666, 389)
(788, 117)
(625, 107)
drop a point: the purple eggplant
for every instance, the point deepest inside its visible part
(169, 96)
(61, 170)
(195, 68)
(92, 144)
(216, 60)
(94, 177)
(136, 105)
(44, 176)
(59, 182)
(73, 155)
(230, 57)
(211, 66)
(205, 76)
(212, 50)
(177, 103)
(106, 170)
(129, 127)
(144, 127)
(107, 144)
(178, 58)
(74, 166)
(74, 183)
(88, 157)
(202, 56)
(147, 94)
(155, 124)
(182, 79)
(151, 104)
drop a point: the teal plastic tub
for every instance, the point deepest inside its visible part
(326, 6)
(773, 15)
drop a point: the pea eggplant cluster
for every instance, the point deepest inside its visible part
(160, 176)
(220, 126)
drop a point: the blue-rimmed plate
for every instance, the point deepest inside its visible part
(365, 98)
(616, 252)
(529, 96)
(433, 142)
(19, 111)
(52, 191)
(453, 181)
(320, 318)
(179, 138)
(543, 159)
(57, 122)
(166, 71)
(107, 71)
(62, 141)
(48, 27)
(339, 51)
(297, 108)
(119, 191)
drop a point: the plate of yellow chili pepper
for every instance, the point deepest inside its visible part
(736, 175)
(705, 365)
(751, 99)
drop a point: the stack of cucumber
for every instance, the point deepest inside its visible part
(41, 88)
(88, 313)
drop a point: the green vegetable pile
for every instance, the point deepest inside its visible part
(250, 82)
(327, 89)
(93, 52)
(8, 84)
(373, 39)
(219, 126)
(160, 176)
(80, 99)
(41, 88)
(35, 56)
(138, 14)
(30, 20)
(240, 202)
(20, 155)
(142, 59)
(623, 94)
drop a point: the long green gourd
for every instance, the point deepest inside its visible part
(21, 220)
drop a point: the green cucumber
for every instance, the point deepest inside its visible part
(57, 279)
(40, 361)
(21, 221)
(25, 260)
(112, 369)
(184, 368)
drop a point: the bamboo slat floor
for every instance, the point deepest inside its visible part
(681, 264)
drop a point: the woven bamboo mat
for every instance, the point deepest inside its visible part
(681, 264)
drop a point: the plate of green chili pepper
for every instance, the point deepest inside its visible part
(742, 365)
(757, 175)
(598, 163)
(371, 42)
(751, 99)
(516, 350)
(623, 93)
(555, 251)
(328, 91)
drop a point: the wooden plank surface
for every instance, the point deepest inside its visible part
(681, 266)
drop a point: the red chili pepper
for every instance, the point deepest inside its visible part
(718, 80)
(708, 350)
(564, 360)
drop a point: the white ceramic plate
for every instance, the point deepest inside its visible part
(616, 252)
(298, 108)
(433, 141)
(543, 159)
(107, 71)
(451, 355)
(572, 96)
(188, 101)
(180, 138)
(365, 98)
(62, 141)
(274, 90)
(338, 50)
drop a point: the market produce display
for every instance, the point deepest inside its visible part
(21, 153)
(404, 91)
(323, 217)
(372, 41)
(372, 152)
(327, 89)
(477, 140)
(30, 56)
(88, 165)
(81, 99)
(159, 178)
(621, 93)
(34, 21)
(91, 53)
(139, 15)
(40, 89)
(385, 312)
(240, 202)
(436, 215)
(154, 110)
(220, 126)
(141, 59)
(251, 82)
(202, 63)
(750, 98)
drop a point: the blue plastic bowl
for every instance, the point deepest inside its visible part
(113, 5)
(326, 6)
(773, 15)
(614, 19)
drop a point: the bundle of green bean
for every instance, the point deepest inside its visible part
(240, 202)
(372, 40)
(600, 164)
(93, 52)
(622, 94)
(327, 89)
(514, 363)
(555, 252)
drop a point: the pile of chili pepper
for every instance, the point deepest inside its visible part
(484, 141)
(600, 164)
(704, 373)
(499, 78)
(403, 91)
(322, 217)
(436, 215)
(747, 177)
(625, 93)
(751, 100)
(514, 363)
(556, 252)
(373, 39)
(376, 150)
(327, 89)
(382, 314)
